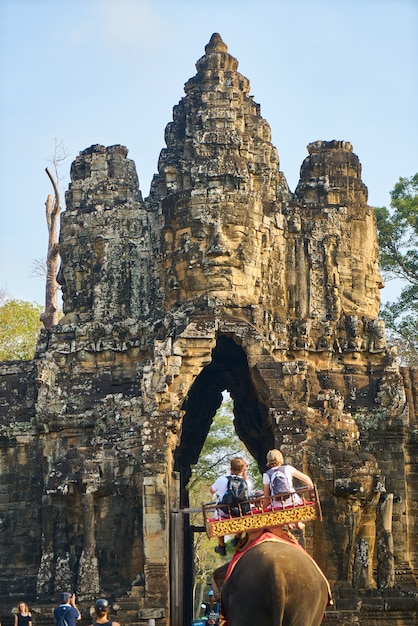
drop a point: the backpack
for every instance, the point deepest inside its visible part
(236, 492)
(61, 621)
(279, 482)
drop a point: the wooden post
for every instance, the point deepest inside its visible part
(176, 569)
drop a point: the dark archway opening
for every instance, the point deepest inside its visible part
(229, 371)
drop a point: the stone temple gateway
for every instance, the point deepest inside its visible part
(222, 278)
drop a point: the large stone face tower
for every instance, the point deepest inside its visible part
(221, 279)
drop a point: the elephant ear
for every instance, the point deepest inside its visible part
(218, 579)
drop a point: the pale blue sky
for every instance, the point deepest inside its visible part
(110, 71)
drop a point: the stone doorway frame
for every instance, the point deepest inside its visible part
(207, 339)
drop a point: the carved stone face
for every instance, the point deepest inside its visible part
(214, 251)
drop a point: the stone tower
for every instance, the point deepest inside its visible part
(221, 279)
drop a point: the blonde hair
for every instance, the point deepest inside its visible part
(274, 458)
(18, 607)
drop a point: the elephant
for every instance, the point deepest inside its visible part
(274, 583)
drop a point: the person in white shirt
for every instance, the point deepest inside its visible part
(238, 467)
(279, 478)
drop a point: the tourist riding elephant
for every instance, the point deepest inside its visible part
(274, 583)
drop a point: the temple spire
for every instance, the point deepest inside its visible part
(216, 44)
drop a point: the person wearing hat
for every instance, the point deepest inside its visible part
(67, 612)
(212, 609)
(102, 613)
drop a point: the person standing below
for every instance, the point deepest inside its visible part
(67, 610)
(23, 617)
(279, 479)
(238, 468)
(102, 613)
(212, 609)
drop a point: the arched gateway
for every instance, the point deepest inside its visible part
(221, 279)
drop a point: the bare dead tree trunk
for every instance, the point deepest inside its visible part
(50, 316)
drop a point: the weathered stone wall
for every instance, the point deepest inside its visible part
(21, 483)
(220, 279)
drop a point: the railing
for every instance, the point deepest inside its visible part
(302, 505)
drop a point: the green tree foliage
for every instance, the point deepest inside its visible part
(220, 445)
(398, 240)
(19, 329)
